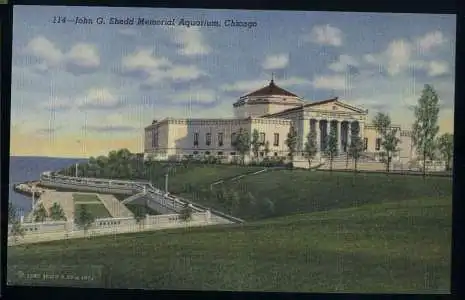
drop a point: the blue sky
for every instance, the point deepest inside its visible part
(82, 90)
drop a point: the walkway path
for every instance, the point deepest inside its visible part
(65, 199)
(114, 206)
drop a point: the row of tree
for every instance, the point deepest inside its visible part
(119, 164)
(56, 213)
(427, 143)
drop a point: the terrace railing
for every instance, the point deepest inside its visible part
(146, 189)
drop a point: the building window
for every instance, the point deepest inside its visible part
(233, 138)
(220, 153)
(276, 139)
(220, 139)
(365, 143)
(196, 139)
(196, 152)
(208, 139)
(276, 154)
(261, 139)
(207, 152)
(378, 144)
(233, 153)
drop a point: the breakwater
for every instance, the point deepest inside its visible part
(29, 188)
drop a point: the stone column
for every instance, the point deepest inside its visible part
(328, 131)
(318, 134)
(338, 135)
(349, 133)
(361, 127)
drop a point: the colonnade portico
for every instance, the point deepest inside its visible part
(344, 130)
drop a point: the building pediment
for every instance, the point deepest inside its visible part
(335, 106)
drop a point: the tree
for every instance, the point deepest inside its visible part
(256, 144)
(291, 142)
(425, 128)
(356, 147)
(140, 215)
(388, 135)
(17, 230)
(57, 213)
(331, 147)
(186, 213)
(389, 145)
(267, 148)
(84, 218)
(310, 149)
(446, 148)
(242, 143)
(12, 213)
(40, 213)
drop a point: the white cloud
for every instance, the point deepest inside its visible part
(430, 41)
(191, 41)
(333, 82)
(45, 50)
(158, 69)
(244, 85)
(195, 96)
(343, 62)
(396, 58)
(398, 54)
(436, 68)
(325, 35)
(82, 55)
(274, 62)
(56, 103)
(98, 98)
(180, 72)
(143, 60)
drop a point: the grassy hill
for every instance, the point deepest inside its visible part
(307, 231)
(200, 175)
(284, 192)
(394, 246)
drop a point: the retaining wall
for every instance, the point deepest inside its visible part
(45, 227)
(87, 187)
(115, 223)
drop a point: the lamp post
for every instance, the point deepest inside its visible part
(76, 165)
(166, 183)
(33, 198)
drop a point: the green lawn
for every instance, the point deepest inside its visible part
(147, 210)
(92, 204)
(302, 191)
(396, 246)
(199, 175)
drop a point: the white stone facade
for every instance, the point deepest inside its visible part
(271, 111)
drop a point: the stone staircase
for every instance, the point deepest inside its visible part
(340, 162)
